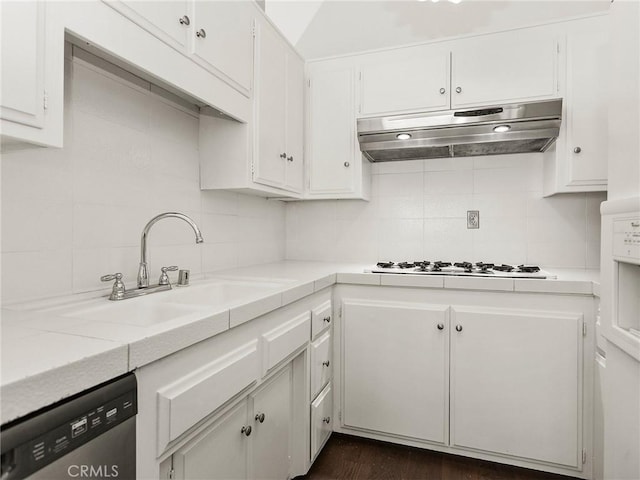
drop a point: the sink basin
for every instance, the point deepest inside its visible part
(220, 292)
(136, 312)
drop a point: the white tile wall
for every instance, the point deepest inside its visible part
(418, 211)
(70, 215)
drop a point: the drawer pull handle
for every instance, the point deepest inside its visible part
(458, 328)
(246, 430)
(260, 417)
(443, 91)
(326, 364)
(201, 33)
(577, 150)
(283, 155)
(441, 326)
(326, 420)
(327, 319)
(290, 159)
(458, 89)
(184, 20)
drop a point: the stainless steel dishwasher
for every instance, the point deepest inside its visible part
(90, 435)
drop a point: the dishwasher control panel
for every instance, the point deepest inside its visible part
(37, 441)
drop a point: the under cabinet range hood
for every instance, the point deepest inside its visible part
(494, 130)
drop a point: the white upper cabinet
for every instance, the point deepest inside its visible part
(224, 38)
(278, 112)
(415, 78)
(504, 68)
(334, 162)
(217, 35)
(578, 161)
(32, 67)
(172, 18)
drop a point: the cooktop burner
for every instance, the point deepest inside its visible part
(478, 269)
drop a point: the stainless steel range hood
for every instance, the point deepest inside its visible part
(494, 130)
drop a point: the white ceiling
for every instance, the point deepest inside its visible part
(334, 27)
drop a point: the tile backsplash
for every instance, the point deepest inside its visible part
(71, 215)
(418, 211)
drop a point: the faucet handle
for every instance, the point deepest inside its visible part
(112, 276)
(117, 292)
(164, 278)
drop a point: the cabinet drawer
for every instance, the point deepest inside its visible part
(320, 318)
(321, 420)
(191, 398)
(321, 365)
(283, 340)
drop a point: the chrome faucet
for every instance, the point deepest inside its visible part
(143, 270)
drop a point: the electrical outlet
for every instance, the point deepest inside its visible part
(473, 218)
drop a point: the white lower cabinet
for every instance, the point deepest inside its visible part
(219, 453)
(489, 375)
(237, 405)
(395, 358)
(271, 420)
(517, 375)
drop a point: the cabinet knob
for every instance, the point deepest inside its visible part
(260, 417)
(201, 33)
(290, 159)
(326, 364)
(246, 430)
(577, 150)
(441, 326)
(283, 155)
(458, 328)
(443, 91)
(327, 319)
(346, 164)
(184, 20)
(326, 419)
(458, 89)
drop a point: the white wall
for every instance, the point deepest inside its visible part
(418, 212)
(71, 215)
(342, 27)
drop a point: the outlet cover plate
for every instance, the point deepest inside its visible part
(473, 218)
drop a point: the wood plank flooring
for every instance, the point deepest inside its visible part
(345, 457)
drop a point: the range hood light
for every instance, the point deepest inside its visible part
(502, 128)
(403, 136)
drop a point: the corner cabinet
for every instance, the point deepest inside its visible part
(578, 160)
(31, 108)
(335, 167)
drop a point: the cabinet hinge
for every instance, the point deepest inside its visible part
(253, 30)
(558, 47)
(171, 474)
(252, 168)
(309, 83)
(340, 312)
(584, 455)
(45, 100)
(340, 415)
(584, 329)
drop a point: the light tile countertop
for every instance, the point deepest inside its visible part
(50, 351)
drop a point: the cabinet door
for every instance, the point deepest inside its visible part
(504, 67)
(164, 17)
(517, 375)
(220, 452)
(272, 414)
(227, 43)
(396, 369)
(321, 368)
(294, 123)
(587, 108)
(270, 109)
(406, 79)
(332, 144)
(22, 82)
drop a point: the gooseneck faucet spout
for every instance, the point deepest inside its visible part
(143, 270)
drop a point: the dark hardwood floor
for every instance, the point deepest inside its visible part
(353, 458)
